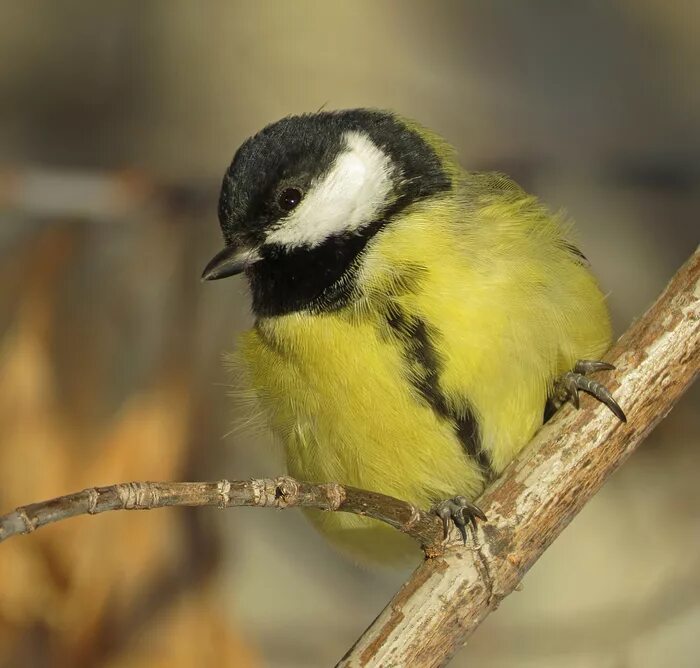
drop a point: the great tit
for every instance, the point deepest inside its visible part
(415, 323)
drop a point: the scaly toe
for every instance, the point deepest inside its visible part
(459, 510)
(573, 381)
(591, 366)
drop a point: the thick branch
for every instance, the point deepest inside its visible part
(447, 598)
(283, 492)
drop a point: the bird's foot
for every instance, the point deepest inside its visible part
(568, 385)
(460, 511)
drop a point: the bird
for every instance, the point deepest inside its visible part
(415, 323)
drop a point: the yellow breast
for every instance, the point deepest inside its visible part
(337, 396)
(507, 311)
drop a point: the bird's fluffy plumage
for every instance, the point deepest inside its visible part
(433, 371)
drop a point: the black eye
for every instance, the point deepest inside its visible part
(289, 198)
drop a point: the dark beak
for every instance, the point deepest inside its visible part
(229, 262)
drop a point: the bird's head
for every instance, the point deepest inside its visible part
(303, 197)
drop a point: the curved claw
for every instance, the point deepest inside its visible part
(601, 393)
(573, 381)
(459, 510)
(591, 366)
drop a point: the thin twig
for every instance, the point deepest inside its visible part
(447, 598)
(282, 492)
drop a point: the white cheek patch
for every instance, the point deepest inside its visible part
(349, 197)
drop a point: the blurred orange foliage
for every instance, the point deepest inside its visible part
(112, 590)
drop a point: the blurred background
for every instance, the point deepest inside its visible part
(117, 120)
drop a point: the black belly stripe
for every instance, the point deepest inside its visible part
(424, 365)
(468, 433)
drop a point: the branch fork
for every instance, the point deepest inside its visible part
(450, 594)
